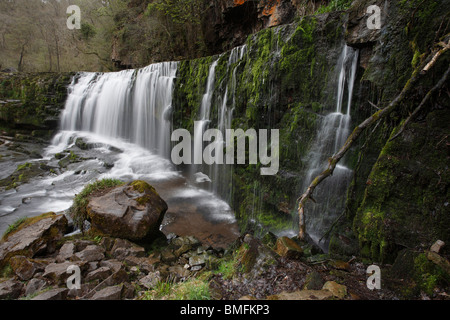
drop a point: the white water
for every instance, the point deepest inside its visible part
(125, 117)
(134, 105)
(334, 130)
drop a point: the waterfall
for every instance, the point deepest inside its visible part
(219, 176)
(134, 105)
(333, 131)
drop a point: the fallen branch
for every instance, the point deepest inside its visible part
(332, 162)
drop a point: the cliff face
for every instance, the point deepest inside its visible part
(227, 23)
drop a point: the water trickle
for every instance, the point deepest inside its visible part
(333, 131)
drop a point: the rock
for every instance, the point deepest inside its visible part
(34, 285)
(133, 211)
(358, 32)
(150, 280)
(57, 272)
(66, 252)
(113, 264)
(109, 293)
(10, 289)
(339, 264)
(34, 236)
(437, 246)
(100, 274)
(197, 260)
(91, 253)
(179, 272)
(313, 281)
(288, 248)
(338, 290)
(145, 264)
(22, 267)
(116, 278)
(53, 294)
(254, 257)
(123, 248)
(302, 295)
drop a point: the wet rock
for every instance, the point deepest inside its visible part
(133, 211)
(34, 236)
(53, 294)
(10, 289)
(288, 248)
(337, 290)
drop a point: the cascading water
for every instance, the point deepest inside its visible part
(219, 176)
(333, 131)
(133, 105)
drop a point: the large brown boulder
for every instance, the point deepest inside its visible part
(133, 211)
(37, 235)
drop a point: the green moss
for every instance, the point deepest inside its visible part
(78, 210)
(23, 166)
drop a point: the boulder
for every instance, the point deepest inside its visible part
(288, 248)
(33, 236)
(133, 211)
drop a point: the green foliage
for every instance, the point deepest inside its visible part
(78, 211)
(12, 227)
(191, 289)
(87, 31)
(334, 5)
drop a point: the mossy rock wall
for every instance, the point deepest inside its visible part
(398, 196)
(32, 101)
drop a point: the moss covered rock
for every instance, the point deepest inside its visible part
(133, 211)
